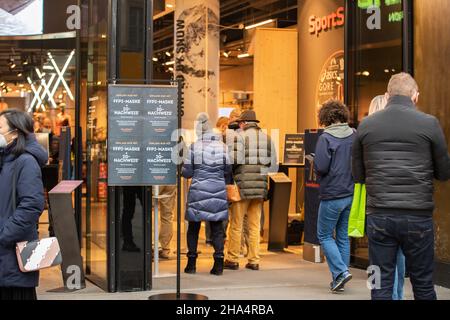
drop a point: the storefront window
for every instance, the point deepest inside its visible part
(375, 53)
(131, 210)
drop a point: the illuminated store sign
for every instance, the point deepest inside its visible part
(364, 4)
(394, 16)
(325, 23)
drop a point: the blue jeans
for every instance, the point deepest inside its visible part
(333, 217)
(415, 236)
(399, 280)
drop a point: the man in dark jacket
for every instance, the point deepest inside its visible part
(397, 153)
(253, 155)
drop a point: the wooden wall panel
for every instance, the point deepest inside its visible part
(432, 72)
(275, 85)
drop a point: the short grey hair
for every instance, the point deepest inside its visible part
(402, 84)
(378, 103)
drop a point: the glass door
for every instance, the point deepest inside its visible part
(96, 208)
(375, 50)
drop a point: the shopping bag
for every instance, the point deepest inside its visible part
(233, 194)
(357, 218)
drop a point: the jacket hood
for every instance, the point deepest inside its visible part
(251, 125)
(36, 150)
(341, 130)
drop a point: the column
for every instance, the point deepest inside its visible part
(197, 57)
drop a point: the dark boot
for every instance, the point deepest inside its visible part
(218, 267)
(191, 268)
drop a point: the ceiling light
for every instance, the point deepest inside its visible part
(226, 54)
(155, 59)
(259, 24)
(169, 5)
(366, 73)
(386, 70)
(48, 68)
(19, 74)
(243, 55)
(103, 36)
(168, 53)
(171, 69)
(2, 84)
(170, 63)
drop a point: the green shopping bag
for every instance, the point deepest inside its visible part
(357, 218)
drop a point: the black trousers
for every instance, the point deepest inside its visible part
(217, 237)
(130, 194)
(17, 294)
(415, 236)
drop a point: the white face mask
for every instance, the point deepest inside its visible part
(3, 142)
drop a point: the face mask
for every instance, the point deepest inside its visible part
(3, 142)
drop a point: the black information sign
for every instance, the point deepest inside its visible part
(142, 119)
(294, 149)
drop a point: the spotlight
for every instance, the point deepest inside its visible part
(155, 59)
(226, 54)
(243, 55)
(168, 54)
(259, 24)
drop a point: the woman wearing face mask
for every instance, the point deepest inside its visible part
(21, 159)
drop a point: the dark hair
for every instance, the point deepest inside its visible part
(24, 126)
(65, 123)
(333, 111)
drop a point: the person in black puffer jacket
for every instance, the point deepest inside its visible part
(397, 153)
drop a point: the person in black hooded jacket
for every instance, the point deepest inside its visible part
(397, 153)
(21, 158)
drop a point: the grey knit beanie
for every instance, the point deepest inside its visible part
(203, 124)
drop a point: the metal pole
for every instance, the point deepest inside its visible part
(156, 238)
(78, 142)
(179, 203)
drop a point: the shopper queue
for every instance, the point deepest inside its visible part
(244, 159)
(396, 152)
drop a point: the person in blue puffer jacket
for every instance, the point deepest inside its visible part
(332, 163)
(21, 158)
(207, 163)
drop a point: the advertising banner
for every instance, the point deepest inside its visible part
(141, 121)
